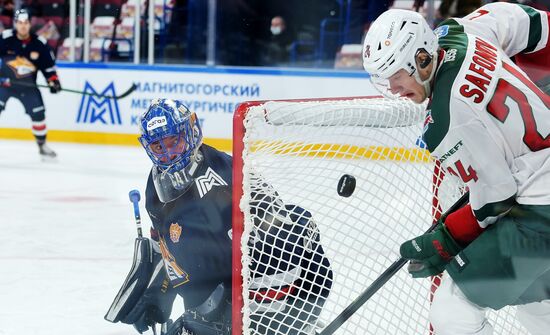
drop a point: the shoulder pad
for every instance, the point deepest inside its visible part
(7, 33)
(42, 39)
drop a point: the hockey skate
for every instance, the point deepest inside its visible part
(46, 153)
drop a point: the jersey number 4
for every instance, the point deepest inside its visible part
(465, 174)
(499, 108)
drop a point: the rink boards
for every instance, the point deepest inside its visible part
(213, 93)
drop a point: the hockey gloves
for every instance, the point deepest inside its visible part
(54, 84)
(430, 253)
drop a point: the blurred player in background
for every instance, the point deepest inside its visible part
(189, 201)
(24, 53)
(489, 124)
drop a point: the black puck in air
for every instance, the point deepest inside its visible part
(346, 185)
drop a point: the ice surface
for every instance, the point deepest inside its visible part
(67, 233)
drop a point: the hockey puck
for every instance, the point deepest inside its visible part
(346, 185)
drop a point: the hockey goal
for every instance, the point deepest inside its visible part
(302, 148)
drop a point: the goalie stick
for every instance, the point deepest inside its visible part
(120, 96)
(383, 278)
(135, 197)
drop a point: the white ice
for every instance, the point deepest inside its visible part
(67, 233)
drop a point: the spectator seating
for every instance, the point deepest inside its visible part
(6, 21)
(349, 57)
(102, 27)
(64, 50)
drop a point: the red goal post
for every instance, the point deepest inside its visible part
(301, 148)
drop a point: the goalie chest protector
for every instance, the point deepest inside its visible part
(195, 230)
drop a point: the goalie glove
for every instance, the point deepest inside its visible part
(146, 296)
(430, 253)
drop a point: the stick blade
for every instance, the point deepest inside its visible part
(128, 92)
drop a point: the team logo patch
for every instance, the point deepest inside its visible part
(442, 31)
(208, 181)
(175, 232)
(22, 67)
(429, 119)
(34, 55)
(178, 276)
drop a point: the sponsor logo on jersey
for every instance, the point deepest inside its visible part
(175, 232)
(451, 152)
(208, 181)
(21, 67)
(442, 31)
(156, 122)
(97, 109)
(450, 55)
(480, 71)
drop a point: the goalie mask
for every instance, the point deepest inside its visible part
(394, 42)
(171, 136)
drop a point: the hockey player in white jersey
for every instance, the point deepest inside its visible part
(489, 124)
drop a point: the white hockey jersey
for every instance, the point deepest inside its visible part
(487, 122)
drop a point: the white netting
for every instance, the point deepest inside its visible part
(294, 155)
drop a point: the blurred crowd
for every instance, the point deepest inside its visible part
(310, 33)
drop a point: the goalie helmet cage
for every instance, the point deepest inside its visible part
(301, 148)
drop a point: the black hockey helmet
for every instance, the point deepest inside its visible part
(22, 15)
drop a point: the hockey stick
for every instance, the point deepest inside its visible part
(120, 96)
(134, 198)
(384, 277)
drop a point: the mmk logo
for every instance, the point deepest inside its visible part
(98, 108)
(209, 180)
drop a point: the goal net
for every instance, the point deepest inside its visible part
(304, 250)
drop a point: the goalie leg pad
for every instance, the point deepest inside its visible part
(146, 297)
(135, 283)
